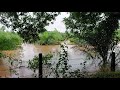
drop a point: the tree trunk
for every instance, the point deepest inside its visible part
(104, 62)
(104, 66)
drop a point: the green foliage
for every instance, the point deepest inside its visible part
(9, 40)
(62, 65)
(118, 34)
(28, 24)
(46, 58)
(61, 69)
(34, 63)
(51, 37)
(77, 40)
(97, 28)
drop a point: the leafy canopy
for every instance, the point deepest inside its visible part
(27, 24)
(97, 28)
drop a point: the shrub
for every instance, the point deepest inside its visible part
(77, 40)
(46, 58)
(9, 40)
(34, 63)
(51, 37)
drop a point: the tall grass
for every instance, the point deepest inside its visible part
(9, 40)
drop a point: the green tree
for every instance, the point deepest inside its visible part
(27, 24)
(97, 28)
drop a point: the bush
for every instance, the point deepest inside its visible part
(118, 32)
(51, 37)
(77, 40)
(74, 40)
(34, 63)
(46, 58)
(9, 40)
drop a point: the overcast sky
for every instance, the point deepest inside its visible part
(58, 23)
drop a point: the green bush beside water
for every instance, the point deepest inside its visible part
(51, 37)
(75, 40)
(9, 40)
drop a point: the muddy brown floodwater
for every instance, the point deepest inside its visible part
(25, 53)
(28, 51)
